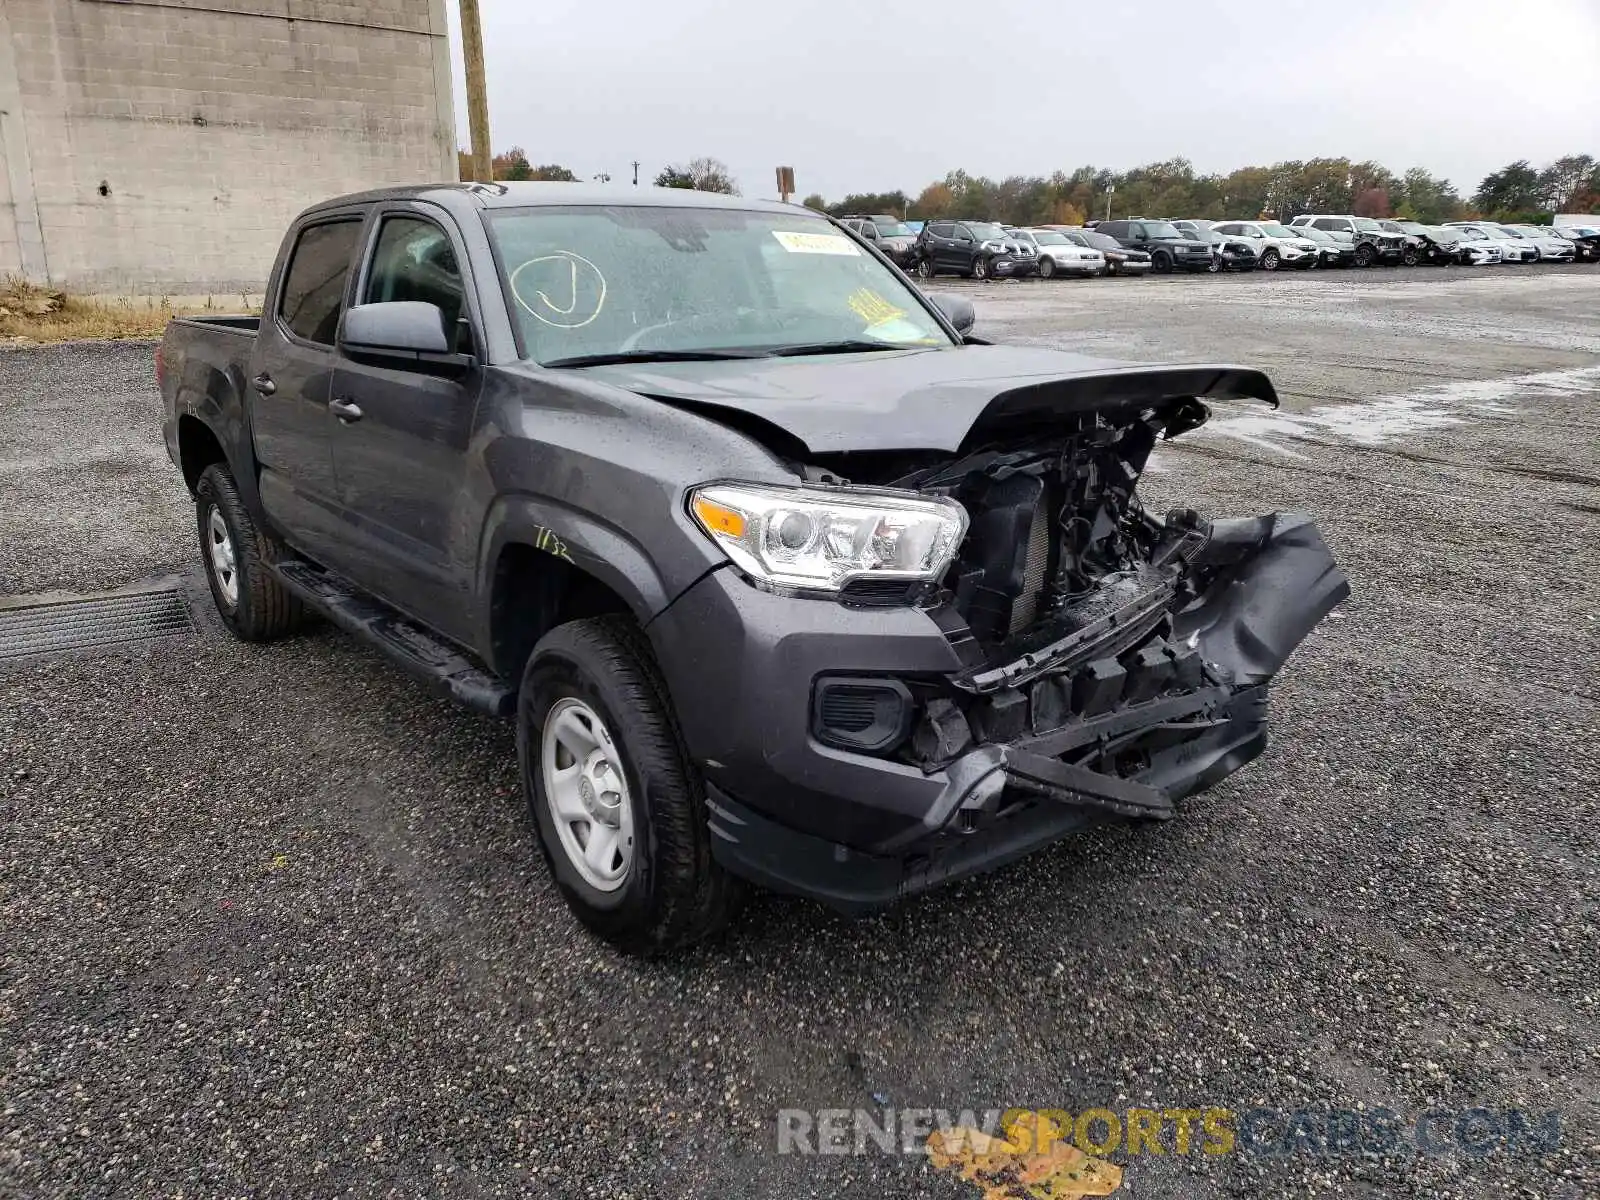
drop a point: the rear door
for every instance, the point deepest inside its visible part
(402, 461)
(291, 374)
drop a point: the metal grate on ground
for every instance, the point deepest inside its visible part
(98, 621)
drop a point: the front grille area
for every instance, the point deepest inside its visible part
(97, 621)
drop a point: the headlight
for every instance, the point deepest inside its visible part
(822, 538)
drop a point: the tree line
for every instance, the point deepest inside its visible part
(700, 174)
(1517, 192)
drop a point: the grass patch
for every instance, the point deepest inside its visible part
(31, 315)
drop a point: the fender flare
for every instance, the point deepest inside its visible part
(217, 402)
(592, 546)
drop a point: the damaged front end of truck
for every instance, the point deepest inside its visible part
(1072, 657)
(1113, 659)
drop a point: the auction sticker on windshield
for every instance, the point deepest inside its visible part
(814, 243)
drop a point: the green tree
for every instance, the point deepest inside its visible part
(870, 203)
(815, 201)
(701, 175)
(1512, 189)
(1565, 178)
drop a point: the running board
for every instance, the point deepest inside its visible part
(410, 647)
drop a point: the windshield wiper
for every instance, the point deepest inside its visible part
(847, 346)
(651, 356)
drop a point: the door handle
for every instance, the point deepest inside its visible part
(263, 384)
(345, 410)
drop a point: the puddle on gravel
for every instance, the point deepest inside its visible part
(1385, 418)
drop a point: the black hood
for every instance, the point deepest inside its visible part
(921, 399)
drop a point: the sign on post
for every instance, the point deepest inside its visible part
(785, 183)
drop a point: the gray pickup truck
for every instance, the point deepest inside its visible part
(784, 577)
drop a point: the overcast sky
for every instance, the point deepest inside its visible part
(894, 99)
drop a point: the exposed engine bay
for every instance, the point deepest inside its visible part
(1106, 650)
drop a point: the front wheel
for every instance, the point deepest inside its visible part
(1161, 262)
(1411, 257)
(1270, 260)
(238, 556)
(619, 809)
(925, 268)
(1047, 267)
(1215, 265)
(1112, 267)
(1365, 254)
(980, 268)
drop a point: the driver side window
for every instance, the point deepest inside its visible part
(414, 260)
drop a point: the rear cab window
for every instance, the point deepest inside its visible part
(311, 298)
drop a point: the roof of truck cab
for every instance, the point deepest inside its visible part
(537, 193)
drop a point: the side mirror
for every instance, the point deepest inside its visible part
(407, 328)
(956, 309)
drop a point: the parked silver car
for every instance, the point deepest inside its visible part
(1060, 255)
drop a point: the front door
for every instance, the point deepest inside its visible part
(290, 375)
(400, 447)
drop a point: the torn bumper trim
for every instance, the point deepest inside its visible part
(1001, 803)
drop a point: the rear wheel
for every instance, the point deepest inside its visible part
(1161, 262)
(619, 808)
(238, 556)
(1047, 267)
(1270, 260)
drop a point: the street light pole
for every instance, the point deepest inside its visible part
(477, 95)
(636, 172)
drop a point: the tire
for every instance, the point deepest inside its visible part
(1161, 262)
(925, 269)
(1411, 257)
(1113, 268)
(251, 602)
(1365, 254)
(1214, 267)
(1270, 259)
(672, 892)
(980, 268)
(1047, 267)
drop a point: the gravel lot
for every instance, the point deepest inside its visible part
(272, 920)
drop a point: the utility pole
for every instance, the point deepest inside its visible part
(1109, 189)
(477, 96)
(636, 172)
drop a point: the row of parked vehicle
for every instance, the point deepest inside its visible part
(1138, 245)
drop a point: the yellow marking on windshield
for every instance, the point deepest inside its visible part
(873, 308)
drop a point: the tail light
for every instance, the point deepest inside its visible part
(161, 366)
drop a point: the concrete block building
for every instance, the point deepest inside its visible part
(156, 147)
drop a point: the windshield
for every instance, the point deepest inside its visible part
(1100, 241)
(894, 229)
(1366, 225)
(1439, 234)
(1163, 229)
(622, 280)
(1275, 230)
(986, 231)
(1510, 232)
(1306, 231)
(1412, 226)
(1051, 239)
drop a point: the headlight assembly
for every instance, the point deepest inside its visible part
(819, 539)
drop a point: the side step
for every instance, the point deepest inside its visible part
(411, 648)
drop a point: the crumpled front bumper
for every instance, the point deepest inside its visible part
(857, 831)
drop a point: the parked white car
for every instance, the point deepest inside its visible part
(1552, 246)
(1514, 248)
(1059, 254)
(1275, 245)
(1477, 252)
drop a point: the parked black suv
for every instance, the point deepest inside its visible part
(888, 233)
(1372, 242)
(980, 249)
(1167, 245)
